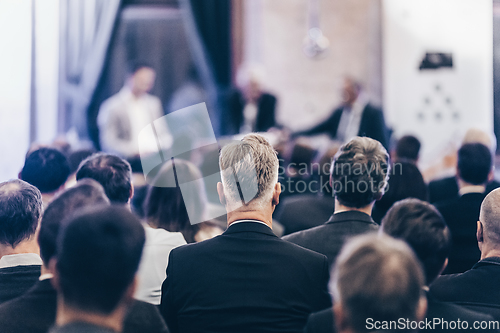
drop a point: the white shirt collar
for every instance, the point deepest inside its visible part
(472, 189)
(240, 221)
(22, 259)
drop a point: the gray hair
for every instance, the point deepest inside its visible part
(20, 211)
(490, 216)
(249, 166)
(378, 277)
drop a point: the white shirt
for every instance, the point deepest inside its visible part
(153, 266)
(22, 259)
(123, 116)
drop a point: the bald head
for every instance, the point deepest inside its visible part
(490, 218)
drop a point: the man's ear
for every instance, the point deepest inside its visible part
(479, 233)
(55, 276)
(491, 175)
(220, 192)
(422, 308)
(276, 193)
(340, 318)
(131, 192)
(444, 266)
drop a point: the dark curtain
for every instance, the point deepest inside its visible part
(213, 22)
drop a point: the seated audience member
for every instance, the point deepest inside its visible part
(447, 188)
(47, 169)
(41, 300)
(461, 213)
(478, 288)
(405, 181)
(376, 280)
(420, 225)
(304, 211)
(358, 176)
(112, 172)
(168, 208)
(249, 108)
(247, 279)
(407, 150)
(20, 263)
(97, 255)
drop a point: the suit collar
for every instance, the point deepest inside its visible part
(249, 226)
(350, 216)
(487, 261)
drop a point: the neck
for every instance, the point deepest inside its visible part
(249, 213)
(489, 251)
(27, 246)
(342, 208)
(463, 184)
(67, 314)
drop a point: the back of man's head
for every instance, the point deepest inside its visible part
(20, 210)
(420, 225)
(474, 163)
(359, 172)
(46, 168)
(85, 193)
(249, 170)
(98, 253)
(376, 278)
(408, 148)
(112, 172)
(489, 216)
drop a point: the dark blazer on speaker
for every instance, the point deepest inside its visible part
(461, 214)
(35, 312)
(233, 118)
(329, 237)
(372, 125)
(477, 289)
(245, 280)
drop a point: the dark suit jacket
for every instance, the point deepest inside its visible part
(447, 188)
(81, 327)
(35, 312)
(16, 280)
(461, 214)
(476, 289)
(324, 321)
(328, 238)
(245, 280)
(232, 120)
(372, 125)
(305, 211)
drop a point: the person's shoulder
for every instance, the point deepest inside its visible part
(320, 322)
(304, 236)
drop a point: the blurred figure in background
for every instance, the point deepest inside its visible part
(168, 208)
(405, 181)
(474, 169)
(355, 117)
(47, 169)
(249, 108)
(124, 115)
(447, 188)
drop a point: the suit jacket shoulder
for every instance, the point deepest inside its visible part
(328, 238)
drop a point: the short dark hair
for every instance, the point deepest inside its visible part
(20, 210)
(376, 277)
(112, 172)
(408, 147)
(359, 172)
(420, 225)
(98, 253)
(46, 168)
(86, 192)
(474, 163)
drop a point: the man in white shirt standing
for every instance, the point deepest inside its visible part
(125, 114)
